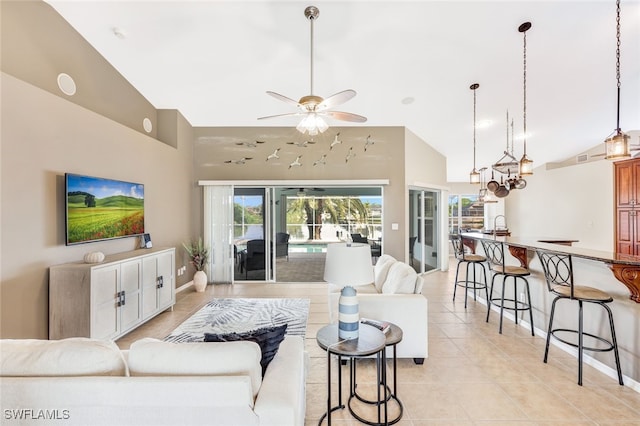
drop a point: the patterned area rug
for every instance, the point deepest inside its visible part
(239, 315)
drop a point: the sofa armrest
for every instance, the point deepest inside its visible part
(281, 399)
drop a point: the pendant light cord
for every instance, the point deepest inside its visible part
(474, 127)
(618, 61)
(524, 90)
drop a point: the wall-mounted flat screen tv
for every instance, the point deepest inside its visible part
(101, 209)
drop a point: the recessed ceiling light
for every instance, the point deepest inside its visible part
(119, 32)
(408, 100)
(66, 84)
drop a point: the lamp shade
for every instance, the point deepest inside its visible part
(348, 264)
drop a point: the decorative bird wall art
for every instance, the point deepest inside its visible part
(274, 155)
(350, 155)
(240, 161)
(250, 144)
(368, 143)
(322, 160)
(296, 162)
(302, 144)
(335, 142)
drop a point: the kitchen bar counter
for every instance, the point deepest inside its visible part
(625, 268)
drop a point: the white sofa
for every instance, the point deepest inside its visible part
(81, 381)
(394, 296)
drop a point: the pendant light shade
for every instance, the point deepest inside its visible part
(474, 176)
(617, 144)
(526, 164)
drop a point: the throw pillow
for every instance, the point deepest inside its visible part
(268, 339)
(381, 269)
(400, 279)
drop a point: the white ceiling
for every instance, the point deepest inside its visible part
(214, 61)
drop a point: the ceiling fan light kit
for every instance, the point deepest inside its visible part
(617, 144)
(313, 107)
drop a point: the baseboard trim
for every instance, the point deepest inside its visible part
(184, 286)
(587, 359)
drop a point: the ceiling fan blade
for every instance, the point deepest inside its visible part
(283, 98)
(346, 116)
(336, 99)
(289, 114)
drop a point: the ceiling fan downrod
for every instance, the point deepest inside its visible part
(311, 13)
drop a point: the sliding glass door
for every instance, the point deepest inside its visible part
(424, 228)
(269, 233)
(253, 234)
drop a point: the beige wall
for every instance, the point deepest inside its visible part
(571, 202)
(385, 159)
(38, 44)
(43, 136)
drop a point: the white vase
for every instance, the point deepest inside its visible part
(200, 281)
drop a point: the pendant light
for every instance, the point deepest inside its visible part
(474, 176)
(526, 164)
(617, 144)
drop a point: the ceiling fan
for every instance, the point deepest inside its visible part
(314, 107)
(301, 192)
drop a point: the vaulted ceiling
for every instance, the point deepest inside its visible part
(410, 62)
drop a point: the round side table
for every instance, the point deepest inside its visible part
(392, 338)
(370, 341)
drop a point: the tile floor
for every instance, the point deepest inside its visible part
(473, 376)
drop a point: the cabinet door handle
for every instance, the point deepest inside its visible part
(119, 295)
(124, 301)
(161, 279)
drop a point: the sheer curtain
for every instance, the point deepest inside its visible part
(218, 232)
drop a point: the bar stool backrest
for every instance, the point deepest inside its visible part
(558, 269)
(458, 247)
(494, 252)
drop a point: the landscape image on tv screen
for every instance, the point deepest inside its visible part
(100, 209)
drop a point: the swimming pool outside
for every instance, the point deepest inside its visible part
(307, 248)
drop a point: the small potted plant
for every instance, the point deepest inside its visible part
(198, 256)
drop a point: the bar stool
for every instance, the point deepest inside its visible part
(558, 272)
(472, 260)
(494, 251)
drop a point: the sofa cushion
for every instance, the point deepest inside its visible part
(268, 338)
(77, 356)
(381, 270)
(400, 279)
(152, 357)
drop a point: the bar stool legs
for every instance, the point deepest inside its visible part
(474, 284)
(609, 345)
(514, 304)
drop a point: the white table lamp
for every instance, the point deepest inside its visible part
(348, 265)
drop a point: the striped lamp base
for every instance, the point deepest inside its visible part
(348, 317)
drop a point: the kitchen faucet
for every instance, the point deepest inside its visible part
(495, 222)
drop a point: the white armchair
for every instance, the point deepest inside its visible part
(395, 296)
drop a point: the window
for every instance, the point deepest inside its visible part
(465, 213)
(329, 218)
